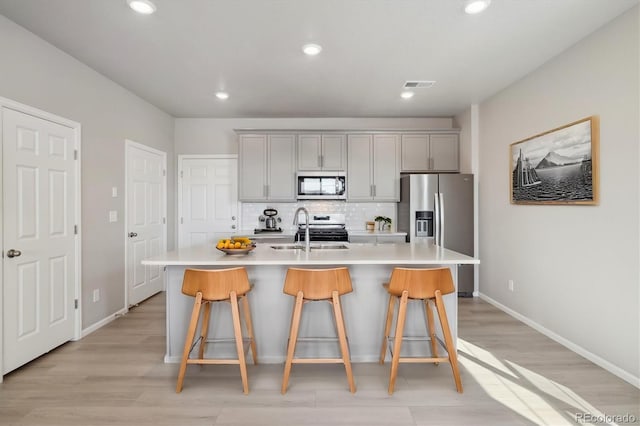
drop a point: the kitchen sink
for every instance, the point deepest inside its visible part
(313, 247)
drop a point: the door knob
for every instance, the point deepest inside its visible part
(233, 227)
(233, 218)
(133, 234)
(13, 253)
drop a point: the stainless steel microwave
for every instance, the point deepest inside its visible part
(321, 186)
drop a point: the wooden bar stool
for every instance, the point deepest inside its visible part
(218, 285)
(309, 285)
(428, 286)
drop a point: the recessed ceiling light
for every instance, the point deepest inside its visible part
(311, 49)
(146, 7)
(222, 95)
(476, 6)
(406, 95)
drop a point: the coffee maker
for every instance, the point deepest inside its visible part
(271, 221)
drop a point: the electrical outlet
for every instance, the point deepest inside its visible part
(510, 285)
(113, 216)
(114, 191)
(96, 295)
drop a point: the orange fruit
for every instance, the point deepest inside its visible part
(237, 244)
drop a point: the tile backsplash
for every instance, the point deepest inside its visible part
(356, 214)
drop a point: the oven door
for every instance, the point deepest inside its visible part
(321, 186)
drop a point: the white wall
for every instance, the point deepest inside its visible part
(35, 73)
(216, 135)
(575, 267)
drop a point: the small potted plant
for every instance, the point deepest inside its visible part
(383, 222)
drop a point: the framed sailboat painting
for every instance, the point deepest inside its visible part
(557, 167)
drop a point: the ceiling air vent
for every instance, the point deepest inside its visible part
(418, 84)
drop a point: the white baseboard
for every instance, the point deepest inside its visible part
(97, 325)
(613, 369)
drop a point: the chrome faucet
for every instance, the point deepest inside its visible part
(307, 246)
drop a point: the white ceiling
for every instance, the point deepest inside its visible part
(180, 56)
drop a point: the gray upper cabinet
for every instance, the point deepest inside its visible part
(373, 172)
(430, 152)
(322, 152)
(266, 169)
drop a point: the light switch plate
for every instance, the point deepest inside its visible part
(113, 216)
(114, 191)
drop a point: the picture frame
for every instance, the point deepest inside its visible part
(560, 166)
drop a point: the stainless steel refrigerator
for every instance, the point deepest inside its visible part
(438, 209)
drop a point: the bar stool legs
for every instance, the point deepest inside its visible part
(428, 298)
(249, 324)
(446, 331)
(397, 342)
(293, 338)
(342, 337)
(237, 330)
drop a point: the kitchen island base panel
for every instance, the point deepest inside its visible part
(364, 315)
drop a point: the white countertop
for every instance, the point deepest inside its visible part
(378, 233)
(356, 254)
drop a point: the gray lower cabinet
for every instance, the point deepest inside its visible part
(377, 239)
(422, 152)
(266, 167)
(373, 167)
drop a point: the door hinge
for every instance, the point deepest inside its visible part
(181, 173)
(75, 229)
(181, 221)
(164, 220)
(75, 304)
(75, 154)
(164, 172)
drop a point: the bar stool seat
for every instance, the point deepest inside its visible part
(427, 286)
(217, 285)
(310, 285)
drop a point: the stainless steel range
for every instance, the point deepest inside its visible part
(323, 227)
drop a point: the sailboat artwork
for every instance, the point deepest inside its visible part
(558, 166)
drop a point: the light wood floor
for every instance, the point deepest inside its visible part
(512, 375)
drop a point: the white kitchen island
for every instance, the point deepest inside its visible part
(364, 308)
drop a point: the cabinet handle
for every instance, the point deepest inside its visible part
(374, 190)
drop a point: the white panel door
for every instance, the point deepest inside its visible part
(39, 243)
(208, 200)
(146, 207)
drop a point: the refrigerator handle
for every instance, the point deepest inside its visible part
(442, 212)
(436, 239)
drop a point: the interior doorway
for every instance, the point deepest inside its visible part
(145, 219)
(40, 214)
(207, 198)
